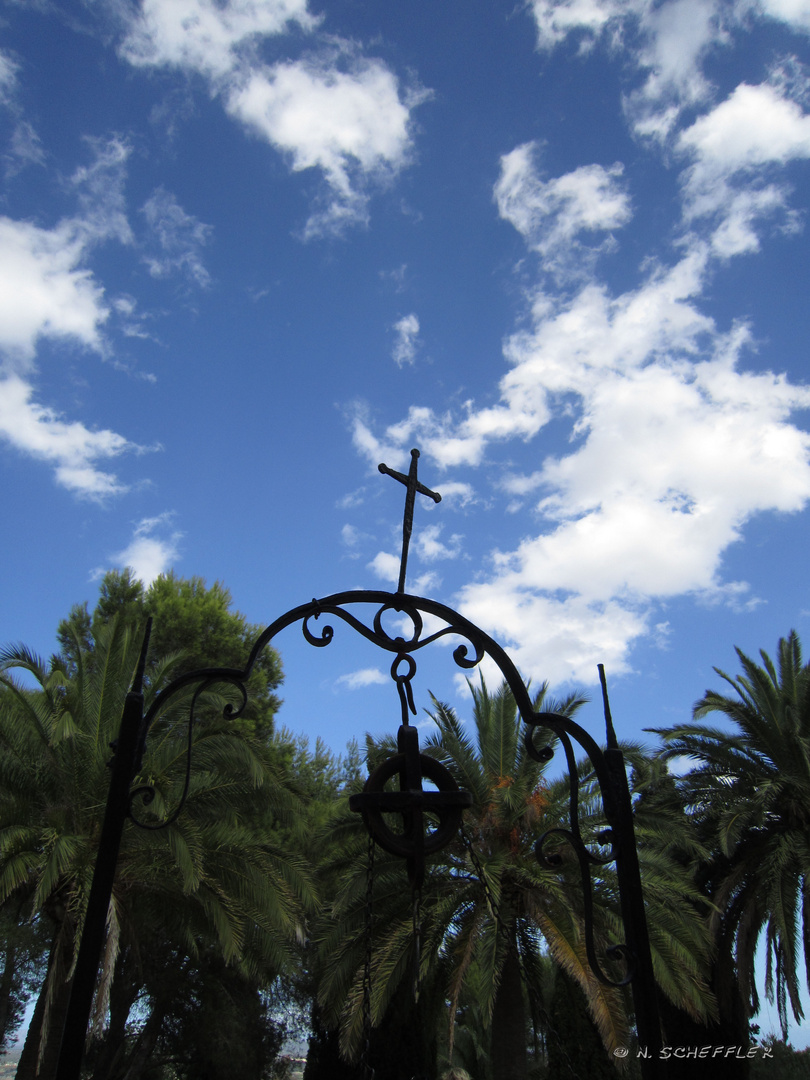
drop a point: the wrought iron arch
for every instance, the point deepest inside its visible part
(318, 619)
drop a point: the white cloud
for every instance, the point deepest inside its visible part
(385, 566)
(48, 292)
(754, 126)
(204, 36)
(71, 448)
(430, 547)
(796, 13)
(8, 78)
(676, 38)
(587, 18)
(24, 149)
(673, 450)
(178, 238)
(553, 214)
(356, 680)
(734, 148)
(153, 550)
(351, 124)
(407, 331)
(337, 111)
(100, 190)
(44, 289)
(555, 639)
(453, 490)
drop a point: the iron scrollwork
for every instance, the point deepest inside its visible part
(318, 620)
(419, 809)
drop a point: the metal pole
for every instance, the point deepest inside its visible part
(634, 917)
(98, 903)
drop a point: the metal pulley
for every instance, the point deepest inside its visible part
(419, 809)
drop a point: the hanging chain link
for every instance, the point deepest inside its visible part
(417, 943)
(495, 910)
(366, 1070)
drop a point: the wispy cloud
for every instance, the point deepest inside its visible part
(735, 149)
(356, 680)
(153, 550)
(406, 342)
(334, 110)
(674, 445)
(560, 217)
(175, 238)
(70, 447)
(48, 292)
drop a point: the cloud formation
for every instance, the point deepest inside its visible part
(356, 680)
(334, 110)
(73, 449)
(407, 340)
(552, 215)
(674, 445)
(176, 239)
(153, 550)
(48, 292)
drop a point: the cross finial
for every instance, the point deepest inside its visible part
(412, 485)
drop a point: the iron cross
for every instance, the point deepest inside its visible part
(412, 485)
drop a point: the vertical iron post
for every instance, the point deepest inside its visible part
(98, 903)
(628, 872)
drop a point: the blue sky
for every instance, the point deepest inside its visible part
(250, 249)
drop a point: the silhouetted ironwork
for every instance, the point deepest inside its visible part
(412, 486)
(429, 818)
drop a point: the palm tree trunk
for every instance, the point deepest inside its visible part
(508, 1047)
(123, 995)
(58, 962)
(6, 988)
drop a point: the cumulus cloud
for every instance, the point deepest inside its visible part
(73, 449)
(735, 149)
(430, 546)
(153, 550)
(48, 292)
(673, 449)
(553, 215)
(356, 680)
(204, 36)
(795, 13)
(588, 19)
(45, 290)
(405, 345)
(675, 40)
(176, 239)
(385, 566)
(8, 78)
(351, 124)
(336, 111)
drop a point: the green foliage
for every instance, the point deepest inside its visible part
(218, 1026)
(782, 1061)
(192, 624)
(573, 1045)
(23, 951)
(213, 880)
(749, 794)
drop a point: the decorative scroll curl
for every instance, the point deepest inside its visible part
(144, 795)
(370, 614)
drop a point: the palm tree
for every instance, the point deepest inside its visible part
(491, 912)
(210, 876)
(749, 792)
